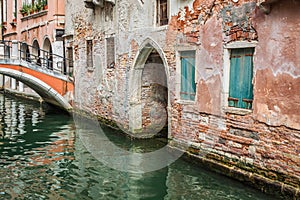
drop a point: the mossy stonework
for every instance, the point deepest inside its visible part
(257, 143)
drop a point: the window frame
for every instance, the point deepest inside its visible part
(158, 15)
(4, 15)
(110, 57)
(226, 75)
(70, 54)
(89, 54)
(179, 77)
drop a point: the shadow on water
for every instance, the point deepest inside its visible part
(137, 145)
(180, 180)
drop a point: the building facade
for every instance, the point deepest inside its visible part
(223, 76)
(38, 26)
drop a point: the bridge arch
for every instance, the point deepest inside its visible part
(44, 90)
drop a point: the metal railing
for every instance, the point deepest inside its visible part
(7, 49)
(40, 57)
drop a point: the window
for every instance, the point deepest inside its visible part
(187, 84)
(4, 11)
(240, 80)
(110, 52)
(70, 56)
(89, 53)
(15, 7)
(70, 60)
(162, 12)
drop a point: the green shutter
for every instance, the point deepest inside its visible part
(188, 86)
(241, 73)
(184, 77)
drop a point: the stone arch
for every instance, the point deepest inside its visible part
(147, 48)
(40, 87)
(47, 47)
(25, 53)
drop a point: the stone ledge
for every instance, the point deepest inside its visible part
(89, 116)
(237, 111)
(266, 185)
(35, 15)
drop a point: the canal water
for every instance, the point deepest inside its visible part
(42, 157)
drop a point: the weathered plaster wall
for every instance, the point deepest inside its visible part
(100, 86)
(37, 27)
(86, 80)
(261, 143)
(278, 67)
(265, 141)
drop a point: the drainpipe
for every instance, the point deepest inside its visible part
(64, 55)
(2, 38)
(2, 30)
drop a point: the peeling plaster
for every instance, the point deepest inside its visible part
(238, 16)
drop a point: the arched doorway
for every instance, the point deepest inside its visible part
(47, 47)
(25, 53)
(36, 52)
(148, 86)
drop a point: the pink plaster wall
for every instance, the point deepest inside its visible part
(277, 79)
(36, 27)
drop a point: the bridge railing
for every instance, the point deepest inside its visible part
(39, 57)
(7, 49)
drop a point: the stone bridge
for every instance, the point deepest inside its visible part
(46, 74)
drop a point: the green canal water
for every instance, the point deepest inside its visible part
(42, 157)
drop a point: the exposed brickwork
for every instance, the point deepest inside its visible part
(263, 142)
(154, 94)
(265, 147)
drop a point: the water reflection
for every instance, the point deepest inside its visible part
(41, 157)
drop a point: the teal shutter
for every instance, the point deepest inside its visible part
(241, 74)
(188, 85)
(184, 77)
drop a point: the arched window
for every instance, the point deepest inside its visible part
(36, 52)
(47, 47)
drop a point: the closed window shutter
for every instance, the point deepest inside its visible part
(241, 73)
(162, 12)
(188, 86)
(89, 53)
(184, 77)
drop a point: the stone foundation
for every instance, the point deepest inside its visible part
(266, 185)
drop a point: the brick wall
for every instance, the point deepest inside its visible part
(263, 141)
(154, 94)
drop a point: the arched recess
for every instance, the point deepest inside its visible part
(7, 51)
(40, 87)
(149, 94)
(25, 54)
(36, 52)
(47, 47)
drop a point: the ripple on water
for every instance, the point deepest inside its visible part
(41, 157)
